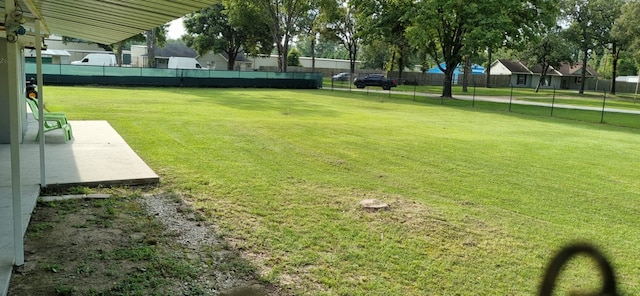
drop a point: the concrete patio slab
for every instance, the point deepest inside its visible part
(97, 155)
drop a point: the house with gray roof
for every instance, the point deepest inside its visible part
(567, 76)
(173, 50)
(219, 61)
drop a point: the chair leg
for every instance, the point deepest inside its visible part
(66, 130)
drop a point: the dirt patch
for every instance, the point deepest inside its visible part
(130, 245)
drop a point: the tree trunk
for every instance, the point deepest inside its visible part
(400, 63)
(487, 82)
(614, 63)
(448, 81)
(281, 58)
(285, 47)
(231, 62)
(313, 53)
(467, 73)
(119, 48)
(352, 62)
(583, 75)
(151, 48)
(543, 75)
(353, 52)
(393, 61)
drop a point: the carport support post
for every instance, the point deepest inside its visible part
(39, 79)
(9, 63)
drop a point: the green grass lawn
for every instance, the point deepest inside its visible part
(480, 198)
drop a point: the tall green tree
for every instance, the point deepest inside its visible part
(504, 32)
(387, 20)
(338, 22)
(156, 37)
(616, 44)
(227, 29)
(548, 51)
(286, 18)
(328, 49)
(449, 29)
(590, 22)
(119, 47)
(375, 54)
(626, 31)
(627, 65)
(309, 31)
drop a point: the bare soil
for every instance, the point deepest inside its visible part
(153, 244)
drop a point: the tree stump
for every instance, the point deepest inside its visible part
(373, 205)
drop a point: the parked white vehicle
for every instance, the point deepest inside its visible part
(97, 59)
(183, 63)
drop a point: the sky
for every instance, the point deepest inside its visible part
(176, 29)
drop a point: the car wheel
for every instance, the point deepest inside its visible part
(359, 85)
(386, 87)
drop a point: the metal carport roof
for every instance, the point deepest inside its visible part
(103, 21)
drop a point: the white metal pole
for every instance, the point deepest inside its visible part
(43, 176)
(14, 80)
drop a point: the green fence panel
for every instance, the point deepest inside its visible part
(81, 74)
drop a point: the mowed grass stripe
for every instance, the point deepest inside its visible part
(480, 200)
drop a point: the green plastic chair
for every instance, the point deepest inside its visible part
(52, 121)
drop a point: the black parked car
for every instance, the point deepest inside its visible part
(375, 80)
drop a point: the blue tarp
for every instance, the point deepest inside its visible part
(475, 69)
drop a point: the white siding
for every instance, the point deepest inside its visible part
(499, 69)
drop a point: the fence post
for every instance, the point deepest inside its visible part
(414, 90)
(604, 101)
(332, 80)
(351, 78)
(473, 100)
(635, 96)
(510, 97)
(553, 100)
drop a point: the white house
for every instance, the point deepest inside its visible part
(630, 79)
(218, 61)
(567, 76)
(320, 63)
(49, 56)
